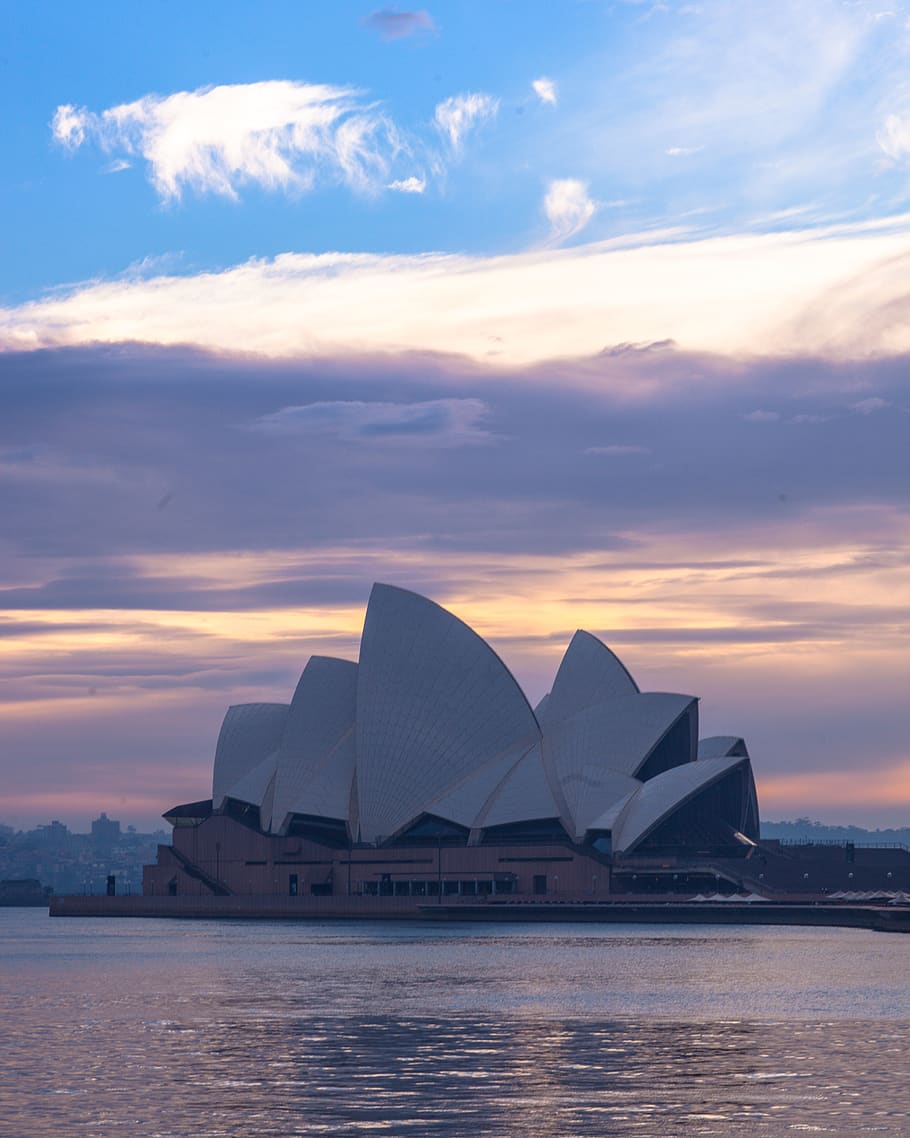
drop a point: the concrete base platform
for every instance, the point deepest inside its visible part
(884, 918)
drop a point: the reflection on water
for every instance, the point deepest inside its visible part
(225, 1029)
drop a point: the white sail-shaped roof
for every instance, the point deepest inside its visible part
(465, 802)
(431, 722)
(250, 732)
(434, 702)
(589, 673)
(611, 818)
(593, 756)
(328, 791)
(256, 787)
(522, 795)
(321, 713)
(658, 798)
(619, 734)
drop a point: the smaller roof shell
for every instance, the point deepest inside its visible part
(658, 798)
(592, 757)
(249, 733)
(321, 713)
(718, 746)
(588, 673)
(256, 787)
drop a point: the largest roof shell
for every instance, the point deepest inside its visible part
(434, 702)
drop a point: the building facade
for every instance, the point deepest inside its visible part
(422, 770)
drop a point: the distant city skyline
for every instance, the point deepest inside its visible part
(589, 321)
(799, 828)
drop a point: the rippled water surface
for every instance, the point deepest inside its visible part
(158, 1028)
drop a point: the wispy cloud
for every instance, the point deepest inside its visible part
(154, 266)
(39, 464)
(412, 185)
(617, 450)
(683, 151)
(869, 406)
(439, 422)
(390, 24)
(777, 103)
(894, 137)
(277, 134)
(69, 125)
(837, 293)
(456, 116)
(768, 70)
(545, 90)
(568, 207)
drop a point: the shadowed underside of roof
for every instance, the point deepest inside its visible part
(668, 792)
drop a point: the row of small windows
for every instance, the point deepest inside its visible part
(421, 887)
(471, 887)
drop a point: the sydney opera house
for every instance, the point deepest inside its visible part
(422, 770)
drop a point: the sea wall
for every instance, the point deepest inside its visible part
(271, 907)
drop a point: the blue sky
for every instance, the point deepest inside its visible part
(74, 221)
(578, 315)
(709, 118)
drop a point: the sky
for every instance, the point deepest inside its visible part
(590, 315)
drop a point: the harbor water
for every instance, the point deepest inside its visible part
(221, 1028)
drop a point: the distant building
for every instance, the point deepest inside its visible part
(23, 892)
(105, 831)
(423, 769)
(55, 834)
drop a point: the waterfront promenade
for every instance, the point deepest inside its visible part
(819, 913)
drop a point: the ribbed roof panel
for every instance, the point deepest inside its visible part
(256, 787)
(589, 673)
(249, 733)
(321, 714)
(434, 702)
(465, 802)
(594, 755)
(524, 794)
(328, 792)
